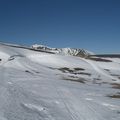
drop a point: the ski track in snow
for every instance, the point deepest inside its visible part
(94, 66)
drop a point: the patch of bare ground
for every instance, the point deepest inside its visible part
(27, 71)
(81, 80)
(84, 73)
(105, 83)
(72, 76)
(114, 80)
(107, 70)
(74, 71)
(115, 75)
(65, 69)
(118, 112)
(117, 95)
(78, 69)
(97, 79)
(115, 85)
(99, 59)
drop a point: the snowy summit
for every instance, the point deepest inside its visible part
(63, 51)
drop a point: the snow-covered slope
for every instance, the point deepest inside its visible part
(36, 85)
(63, 51)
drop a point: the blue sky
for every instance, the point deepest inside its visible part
(89, 24)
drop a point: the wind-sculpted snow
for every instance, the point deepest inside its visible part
(43, 86)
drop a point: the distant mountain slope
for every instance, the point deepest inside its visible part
(64, 51)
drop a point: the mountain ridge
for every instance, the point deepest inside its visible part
(64, 51)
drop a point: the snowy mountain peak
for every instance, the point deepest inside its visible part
(64, 51)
